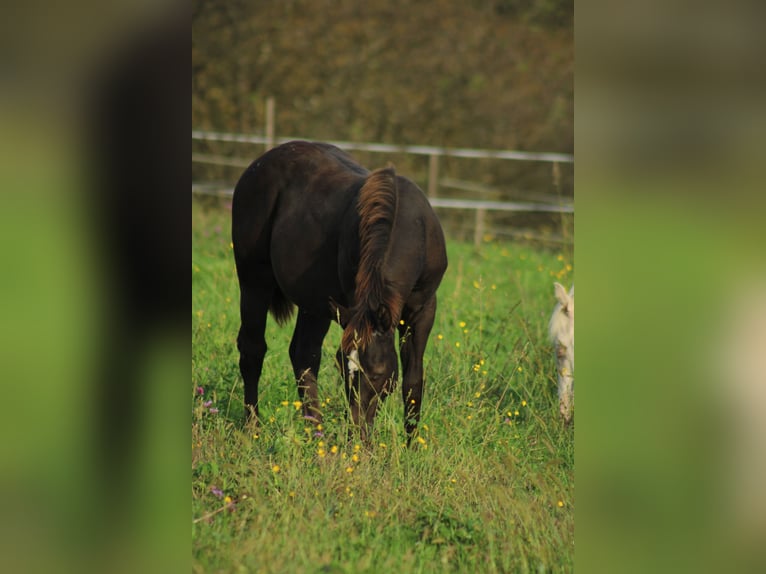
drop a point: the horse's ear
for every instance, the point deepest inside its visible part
(564, 298)
(340, 313)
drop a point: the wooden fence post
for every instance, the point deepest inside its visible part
(433, 175)
(269, 123)
(478, 233)
(557, 177)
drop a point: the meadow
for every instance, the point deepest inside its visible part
(489, 485)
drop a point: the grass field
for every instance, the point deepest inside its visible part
(490, 487)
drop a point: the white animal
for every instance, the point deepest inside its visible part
(561, 330)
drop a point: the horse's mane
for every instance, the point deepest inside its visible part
(377, 306)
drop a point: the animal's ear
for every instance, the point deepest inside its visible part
(561, 294)
(340, 313)
(563, 297)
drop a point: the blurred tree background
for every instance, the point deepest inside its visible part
(492, 74)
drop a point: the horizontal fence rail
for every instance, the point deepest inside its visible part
(500, 205)
(393, 148)
(223, 189)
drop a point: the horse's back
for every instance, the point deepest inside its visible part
(419, 242)
(292, 179)
(292, 204)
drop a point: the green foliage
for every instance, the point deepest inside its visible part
(495, 74)
(451, 73)
(489, 486)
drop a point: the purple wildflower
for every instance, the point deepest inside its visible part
(200, 391)
(206, 404)
(217, 491)
(213, 410)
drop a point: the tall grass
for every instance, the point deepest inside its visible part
(490, 486)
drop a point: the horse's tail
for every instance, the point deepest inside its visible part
(376, 305)
(253, 206)
(281, 307)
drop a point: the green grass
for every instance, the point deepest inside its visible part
(491, 486)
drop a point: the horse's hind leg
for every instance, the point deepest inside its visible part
(305, 355)
(256, 290)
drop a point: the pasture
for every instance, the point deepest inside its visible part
(489, 486)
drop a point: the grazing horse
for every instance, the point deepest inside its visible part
(312, 228)
(561, 330)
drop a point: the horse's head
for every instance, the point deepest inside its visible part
(367, 351)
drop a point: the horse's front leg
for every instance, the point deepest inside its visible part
(305, 355)
(413, 336)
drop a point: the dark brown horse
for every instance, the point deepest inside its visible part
(314, 229)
